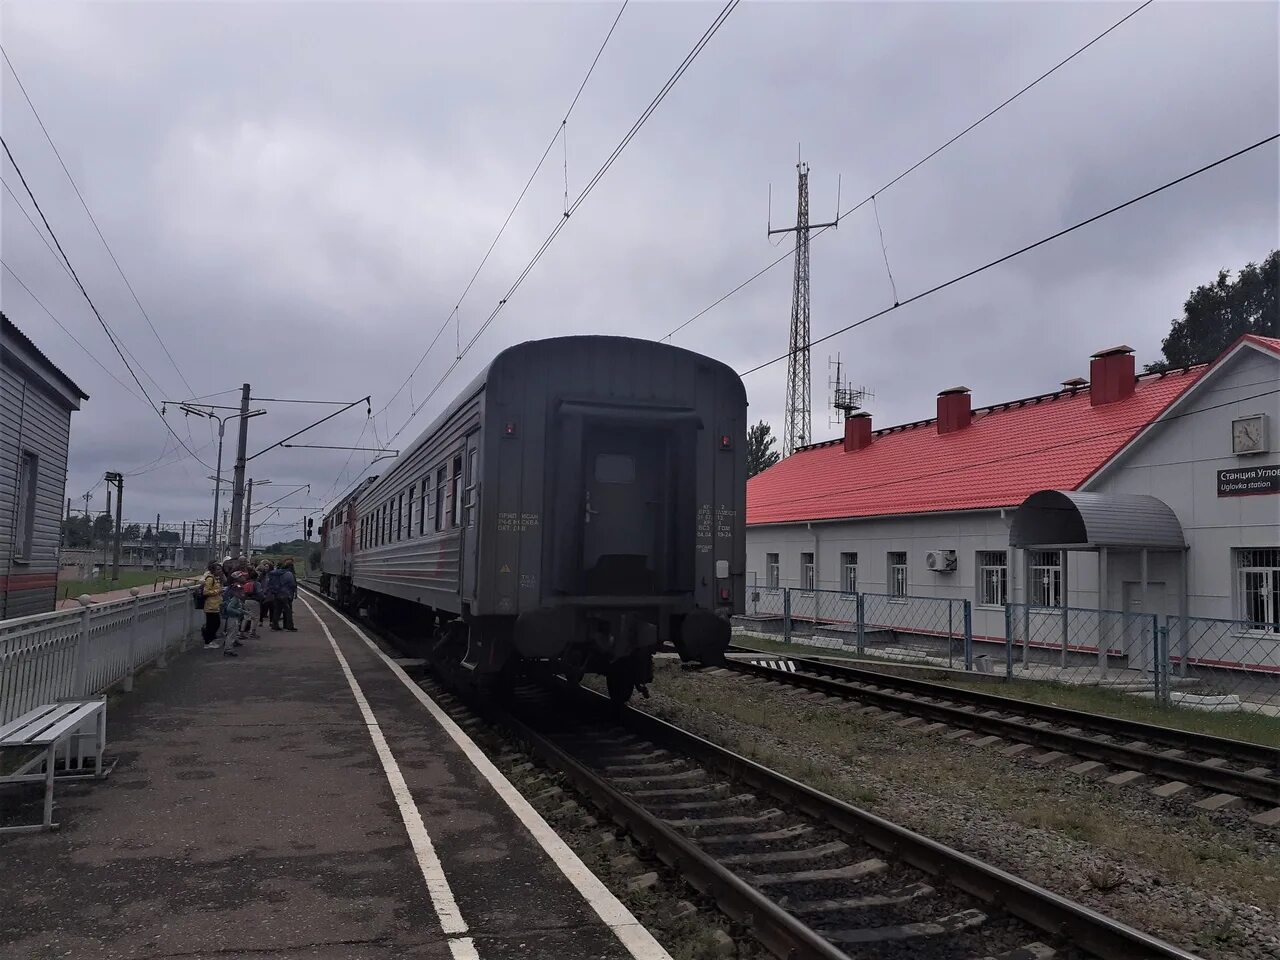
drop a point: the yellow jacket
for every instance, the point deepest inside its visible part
(212, 594)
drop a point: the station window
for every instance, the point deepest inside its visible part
(441, 478)
(771, 576)
(28, 472)
(848, 574)
(993, 578)
(1046, 578)
(897, 573)
(806, 572)
(455, 493)
(1258, 588)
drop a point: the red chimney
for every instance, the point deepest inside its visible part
(954, 411)
(857, 432)
(1111, 375)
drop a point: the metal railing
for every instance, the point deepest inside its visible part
(1193, 662)
(75, 653)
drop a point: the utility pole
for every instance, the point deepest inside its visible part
(237, 482)
(244, 414)
(118, 480)
(106, 540)
(248, 509)
(798, 429)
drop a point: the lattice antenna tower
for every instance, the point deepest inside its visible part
(846, 400)
(798, 427)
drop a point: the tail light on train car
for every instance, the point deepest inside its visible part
(726, 596)
(509, 429)
(726, 442)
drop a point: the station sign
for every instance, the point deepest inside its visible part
(1249, 481)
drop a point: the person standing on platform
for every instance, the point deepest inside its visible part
(252, 605)
(289, 587)
(264, 585)
(232, 611)
(211, 588)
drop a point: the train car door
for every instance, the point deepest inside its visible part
(624, 508)
(470, 516)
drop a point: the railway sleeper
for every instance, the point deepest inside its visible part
(965, 920)
(680, 793)
(818, 852)
(785, 833)
(1032, 951)
(696, 823)
(854, 871)
(893, 898)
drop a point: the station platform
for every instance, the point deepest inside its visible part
(304, 799)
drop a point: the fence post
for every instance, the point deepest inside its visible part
(862, 624)
(968, 635)
(82, 648)
(786, 615)
(1184, 646)
(1162, 694)
(132, 656)
(163, 659)
(951, 635)
(1008, 641)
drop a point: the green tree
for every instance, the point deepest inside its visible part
(760, 453)
(77, 532)
(147, 535)
(102, 527)
(132, 532)
(1217, 314)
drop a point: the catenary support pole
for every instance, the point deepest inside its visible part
(237, 480)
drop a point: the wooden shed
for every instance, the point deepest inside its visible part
(36, 400)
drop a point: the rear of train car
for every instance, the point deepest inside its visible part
(580, 503)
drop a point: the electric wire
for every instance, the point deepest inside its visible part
(85, 293)
(559, 133)
(919, 163)
(1020, 251)
(586, 191)
(89, 213)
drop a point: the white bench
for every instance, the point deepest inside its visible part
(67, 725)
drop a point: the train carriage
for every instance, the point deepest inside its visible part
(580, 502)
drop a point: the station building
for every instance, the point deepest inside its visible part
(1077, 497)
(36, 402)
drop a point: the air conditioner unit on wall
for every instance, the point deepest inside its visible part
(941, 561)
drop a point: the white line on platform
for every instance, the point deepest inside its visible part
(441, 893)
(629, 931)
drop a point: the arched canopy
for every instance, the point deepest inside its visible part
(1068, 520)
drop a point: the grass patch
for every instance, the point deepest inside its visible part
(1251, 727)
(128, 578)
(865, 761)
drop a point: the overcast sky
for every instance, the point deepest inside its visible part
(299, 193)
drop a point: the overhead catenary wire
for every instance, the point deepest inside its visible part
(93, 220)
(586, 191)
(1020, 251)
(919, 163)
(92, 306)
(52, 316)
(558, 134)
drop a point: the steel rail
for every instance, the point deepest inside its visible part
(1253, 786)
(1099, 934)
(1240, 750)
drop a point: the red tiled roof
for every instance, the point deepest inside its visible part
(1267, 343)
(1008, 452)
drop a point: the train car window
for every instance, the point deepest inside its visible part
(440, 481)
(473, 487)
(400, 517)
(615, 468)
(408, 512)
(455, 490)
(422, 506)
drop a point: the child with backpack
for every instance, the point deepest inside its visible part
(252, 605)
(232, 614)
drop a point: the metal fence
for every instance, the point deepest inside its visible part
(70, 654)
(1192, 662)
(1224, 664)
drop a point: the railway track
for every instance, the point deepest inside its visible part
(809, 875)
(1231, 771)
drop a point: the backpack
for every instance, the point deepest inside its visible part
(197, 597)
